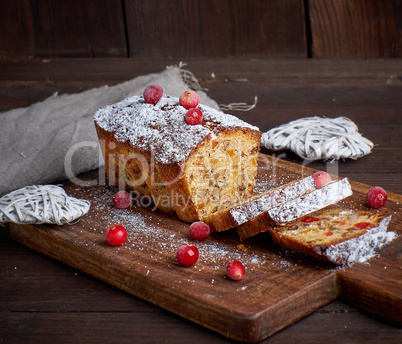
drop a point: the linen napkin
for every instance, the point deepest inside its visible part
(36, 140)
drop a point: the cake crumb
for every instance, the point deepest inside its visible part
(241, 247)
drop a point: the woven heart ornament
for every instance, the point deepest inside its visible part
(319, 138)
(41, 204)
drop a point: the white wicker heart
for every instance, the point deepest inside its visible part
(319, 138)
(41, 204)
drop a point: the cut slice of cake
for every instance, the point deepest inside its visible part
(254, 206)
(193, 170)
(295, 207)
(336, 235)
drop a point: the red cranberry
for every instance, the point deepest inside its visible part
(189, 99)
(116, 235)
(376, 197)
(194, 116)
(199, 230)
(122, 199)
(321, 178)
(187, 254)
(235, 270)
(153, 93)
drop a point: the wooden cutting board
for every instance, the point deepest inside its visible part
(280, 286)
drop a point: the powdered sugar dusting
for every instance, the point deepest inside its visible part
(151, 237)
(271, 199)
(362, 248)
(310, 202)
(147, 231)
(161, 128)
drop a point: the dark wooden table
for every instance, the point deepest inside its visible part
(42, 300)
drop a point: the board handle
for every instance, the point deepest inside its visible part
(375, 287)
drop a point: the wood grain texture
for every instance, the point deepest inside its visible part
(64, 28)
(215, 28)
(225, 72)
(366, 91)
(195, 28)
(280, 288)
(43, 300)
(364, 286)
(355, 29)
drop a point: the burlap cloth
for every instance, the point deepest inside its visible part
(50, 140)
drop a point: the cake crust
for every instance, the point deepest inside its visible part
(301, 204)
(255, 206)
(336, 235)
(193, 170)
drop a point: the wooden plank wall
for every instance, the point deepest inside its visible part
(201, 28)
(356, 28)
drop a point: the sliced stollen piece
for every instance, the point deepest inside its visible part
(317, 199)
(247, 210)
(292, 209)
(336, 235)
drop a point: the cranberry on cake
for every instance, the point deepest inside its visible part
(193, 170)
